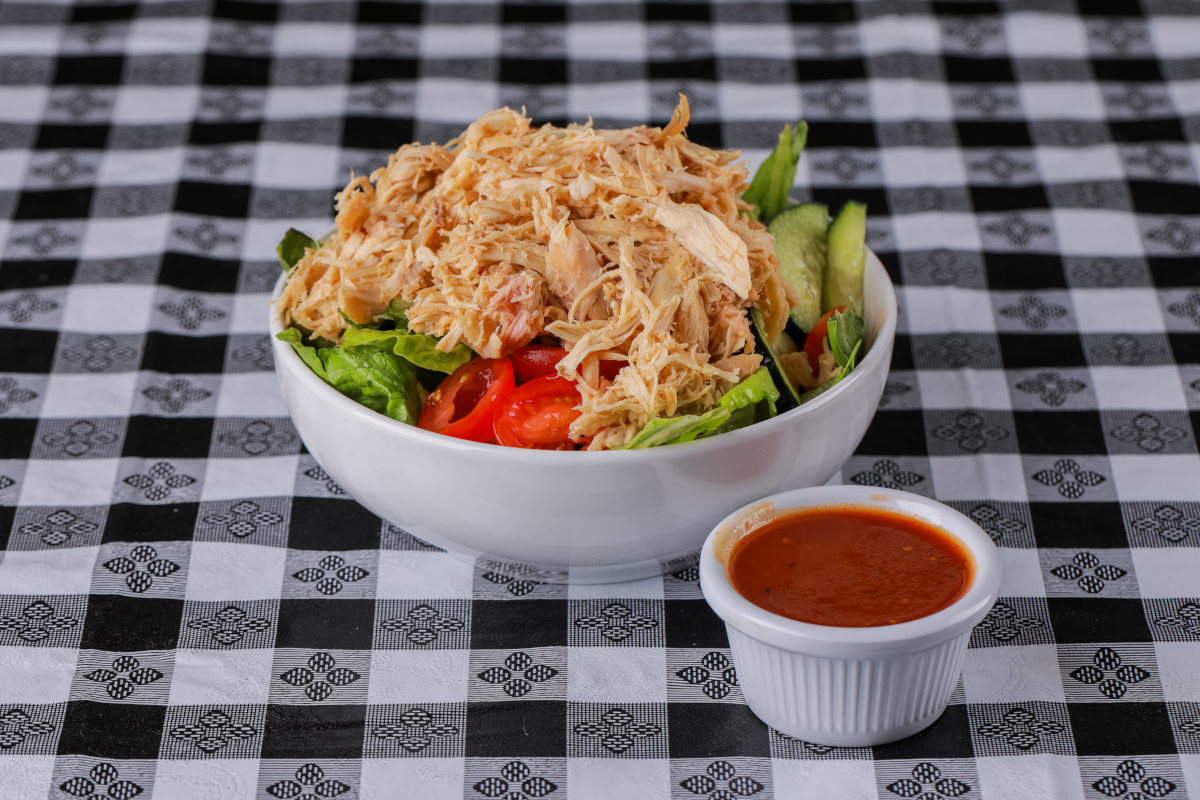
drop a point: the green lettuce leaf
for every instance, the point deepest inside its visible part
(368, 372)
(351, 323)
(307, 353)
(416, 348)
(845, 331)
(846, 369)
(755, 388)
(372, 375)
(397, 312)
(392, 317)
(752, 400)
(292, 246)
(851, 361)
(768, 191)
(673, 430)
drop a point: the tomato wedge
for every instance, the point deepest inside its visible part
(537, 361)
(539, 414)
(609, 369)
(814, 343)
(464, 405)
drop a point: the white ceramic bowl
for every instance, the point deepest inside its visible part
(849, 687)
(590, 517)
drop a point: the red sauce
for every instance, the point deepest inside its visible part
(850, 566)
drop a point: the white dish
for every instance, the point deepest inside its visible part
(849, 687)
(591, 517)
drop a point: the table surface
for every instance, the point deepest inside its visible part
(191, 608)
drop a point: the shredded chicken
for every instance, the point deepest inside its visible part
(800, 372)
(625, 245)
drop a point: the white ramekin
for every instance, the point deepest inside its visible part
(849, 687)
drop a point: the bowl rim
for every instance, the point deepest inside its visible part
(291, 362)
(826, 640)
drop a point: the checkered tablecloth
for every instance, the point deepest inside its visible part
(191, 608)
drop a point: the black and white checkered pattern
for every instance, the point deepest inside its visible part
(191, 608)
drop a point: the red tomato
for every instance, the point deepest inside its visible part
(609, 369)
(464, 405)
(536, 361)
(814, 343)
(539, 414)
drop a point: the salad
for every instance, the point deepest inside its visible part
(578, 288)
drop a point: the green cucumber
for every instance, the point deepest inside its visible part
(845, 256)
(800, 233)
(793, 332)
(789, 398)
(786, 344)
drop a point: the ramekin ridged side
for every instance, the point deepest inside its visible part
(847, 702)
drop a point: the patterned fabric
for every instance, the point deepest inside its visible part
(190, 607)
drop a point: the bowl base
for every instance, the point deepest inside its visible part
(614, 573)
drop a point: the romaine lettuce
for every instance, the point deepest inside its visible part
(769, 189)
(846, 331)
(372, 375)
(308, 353)
(752, 400)
(755, 389)
(369, 372)
(292, 246)
(673, 430)
(417, 348)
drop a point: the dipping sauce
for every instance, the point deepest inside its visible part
(850, 566)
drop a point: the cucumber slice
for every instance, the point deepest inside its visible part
(792, 331)
(845, 256)
(800, 233)
(789, 398)
(786, 344)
